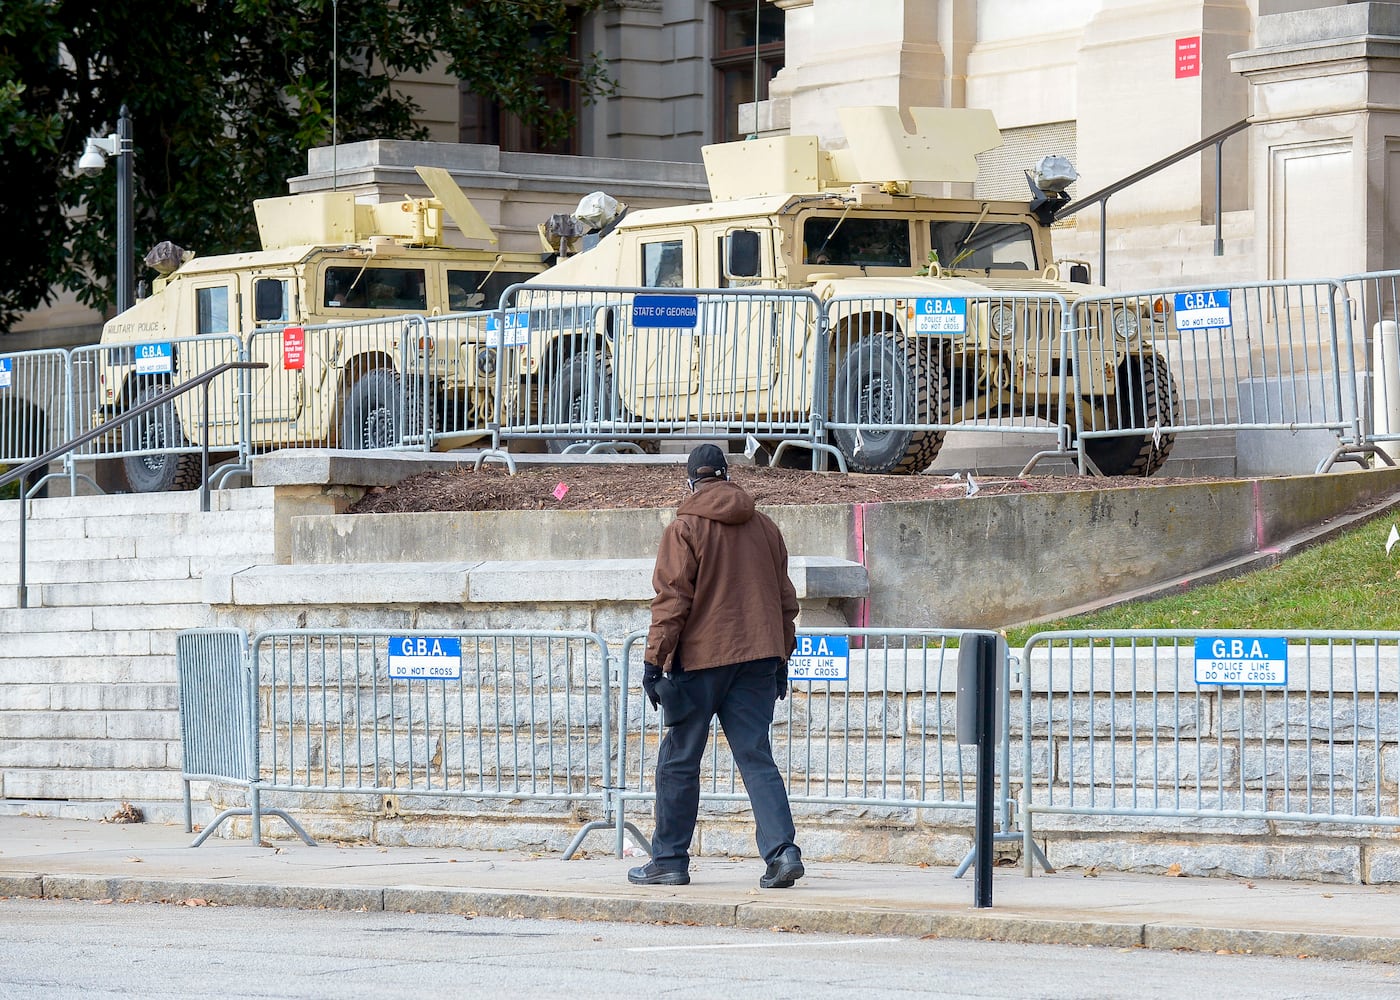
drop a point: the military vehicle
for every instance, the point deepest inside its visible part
(865, 230)
(315, 303)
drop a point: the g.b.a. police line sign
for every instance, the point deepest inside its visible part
(820, 658)
(1255, 660)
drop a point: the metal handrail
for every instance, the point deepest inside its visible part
(202, 379)
(1216, 139)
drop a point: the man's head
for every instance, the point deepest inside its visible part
(705, 463)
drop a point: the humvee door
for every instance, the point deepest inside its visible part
(656, 368)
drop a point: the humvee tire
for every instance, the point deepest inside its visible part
(160, 428)
(883, 379)
(30, 435)
(1138, 456)
(370, 417)
(571, 399)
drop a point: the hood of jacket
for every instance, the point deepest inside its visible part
(719, 500)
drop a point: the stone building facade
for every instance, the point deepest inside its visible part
(1113, 84)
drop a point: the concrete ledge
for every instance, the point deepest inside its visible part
(391, 583)
(983, 562)
(332, 467)
(580, 581)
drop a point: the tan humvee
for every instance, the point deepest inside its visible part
(325, 259)
(861, 226)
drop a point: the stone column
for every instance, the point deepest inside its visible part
(1134, 109)
(849, 53)
(1326, 89)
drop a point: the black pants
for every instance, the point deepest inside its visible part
(742, 695)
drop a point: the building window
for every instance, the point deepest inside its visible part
(483, 120)
(747, 31)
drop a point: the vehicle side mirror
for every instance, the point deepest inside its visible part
(1079, 274)
(741, 257)
(268, 298)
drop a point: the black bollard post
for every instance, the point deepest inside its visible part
(976, 716)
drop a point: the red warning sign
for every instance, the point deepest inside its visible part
(1188, 57)
(293, 348)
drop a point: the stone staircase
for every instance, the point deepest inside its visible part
(88, 697)
(1169, 255)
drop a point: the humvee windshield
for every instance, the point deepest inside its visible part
(403, 289)
(478, 289)
(856, 242)
(991, 245)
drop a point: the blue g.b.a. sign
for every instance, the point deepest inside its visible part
(511, 330)
(1234, 659)
(1208, 310)
(425, 658)
(7, 372)
(670, 312)
(154, 359)
(820, 658)
(940, 316)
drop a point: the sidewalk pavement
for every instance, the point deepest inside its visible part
(76, 859)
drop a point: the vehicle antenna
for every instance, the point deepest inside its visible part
(757, 41)
(335, 93)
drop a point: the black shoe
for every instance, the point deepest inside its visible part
(783, 871)
(652, 874)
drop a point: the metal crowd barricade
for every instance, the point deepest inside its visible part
(36, 407)
(459, 365)
(620, 367)
(1373, 307)
(1268, 356)
(884, 736)
(348, 385)
(479, 715)
(924, 365)
(218, 740)
(1117, 725)
(110, 378)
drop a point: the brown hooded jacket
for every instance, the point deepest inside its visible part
(722, 589)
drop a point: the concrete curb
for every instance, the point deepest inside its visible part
(549, 905)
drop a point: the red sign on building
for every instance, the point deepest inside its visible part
(293, 348)
(1188, 57)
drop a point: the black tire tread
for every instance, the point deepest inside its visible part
(930, 377)
(186, 474)
(1150, 455)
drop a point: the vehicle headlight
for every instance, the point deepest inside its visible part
(1125, 324)
(486, 361)
(1003, 321)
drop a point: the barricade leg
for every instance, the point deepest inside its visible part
(255, 810)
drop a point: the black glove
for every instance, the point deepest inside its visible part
(782, 680)
(650, 676)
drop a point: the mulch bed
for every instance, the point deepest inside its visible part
(611, 487)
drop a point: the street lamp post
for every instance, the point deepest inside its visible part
(95, 153)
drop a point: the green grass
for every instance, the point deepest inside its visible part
(1346, 583)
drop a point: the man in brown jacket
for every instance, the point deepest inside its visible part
(722, 628)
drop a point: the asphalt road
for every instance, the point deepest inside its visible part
(59, 949)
